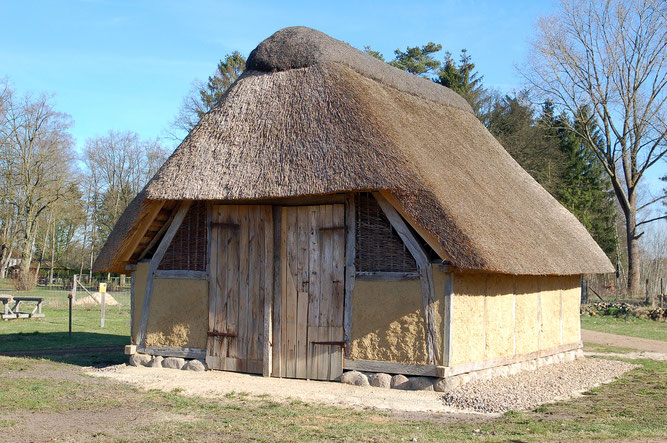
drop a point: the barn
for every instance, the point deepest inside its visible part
(335, 213)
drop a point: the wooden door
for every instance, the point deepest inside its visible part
(312, 291)
(241, 280)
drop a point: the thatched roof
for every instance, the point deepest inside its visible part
(312, 115)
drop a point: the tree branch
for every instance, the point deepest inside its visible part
(651, 220)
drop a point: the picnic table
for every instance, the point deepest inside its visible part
(14, 311)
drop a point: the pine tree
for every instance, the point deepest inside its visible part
(463, 79)
(417, 60)
(586, 190)
(227, 72)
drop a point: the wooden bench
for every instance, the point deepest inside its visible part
(7, 311)
(10, 312)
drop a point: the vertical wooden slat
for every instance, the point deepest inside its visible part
(291, 310)
(267, 336)
(314, 283)
(326, 283)
(283, 290)
(337, 266)
(301, 271)
(233, 264)
(302, 334)
(301, 276)
(338, 294)
(223, 321)
(254, 276)
(292, 288)
(276, 320)
(350, 271)
(336, 354)
(243, 304)
(213, 286)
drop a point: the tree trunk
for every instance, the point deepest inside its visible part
(5, 261)
(634, 260)
(26, 254)
(53, 246)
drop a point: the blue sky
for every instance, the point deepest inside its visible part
(126, 65)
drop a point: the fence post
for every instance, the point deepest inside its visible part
(74, 289)
(662, 293)
(103, 292)
(70, 315)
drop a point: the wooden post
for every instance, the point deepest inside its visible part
(155, 262)
(662, 294)
(70, 315)
(425, 272)
(447, 320)
(74, 289)
(350, 269)
(103, 292)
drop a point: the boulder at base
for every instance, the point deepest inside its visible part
(380, 380)
(354, 378)
(140, 360)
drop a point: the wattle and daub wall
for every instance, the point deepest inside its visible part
(178, 315)
(493, 317)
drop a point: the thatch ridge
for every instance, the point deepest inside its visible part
(328, 128)
(301, 47)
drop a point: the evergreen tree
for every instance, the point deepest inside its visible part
(530, 142)
(203, 96)
(586, 190)
(227, 72)
(417, 60)
(376, 54)
(463, 79)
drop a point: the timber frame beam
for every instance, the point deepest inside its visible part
(155, 262)
(350, 269)
(141, 231)
(425, 272)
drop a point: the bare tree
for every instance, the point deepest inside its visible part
(118, 165)
(610, 56)
(36, 156)
(202, 97)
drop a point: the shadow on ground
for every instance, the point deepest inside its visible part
(82, 348)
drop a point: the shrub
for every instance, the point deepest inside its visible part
(25, 282)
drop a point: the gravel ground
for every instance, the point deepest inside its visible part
(530, 389)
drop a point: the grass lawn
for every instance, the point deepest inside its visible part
(634, 327)
(51, 332)
(40, 393)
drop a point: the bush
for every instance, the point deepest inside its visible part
(25, 282)
(624, 310)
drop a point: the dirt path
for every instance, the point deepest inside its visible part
(624, 341)
(217, 383)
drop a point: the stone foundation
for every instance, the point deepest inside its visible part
(158, 361)
(449, 383)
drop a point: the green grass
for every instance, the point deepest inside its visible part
(634, 327)
(596, 347)
(630, 408)
(51, 332)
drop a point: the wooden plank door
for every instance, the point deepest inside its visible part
(241, 277)
(312, 291)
